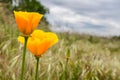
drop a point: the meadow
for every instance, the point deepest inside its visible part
(74, 57)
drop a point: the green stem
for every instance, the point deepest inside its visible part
(37, 64)
(66, 65)
(23, 58)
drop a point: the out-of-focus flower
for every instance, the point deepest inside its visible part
(27, 21)
(40, 41)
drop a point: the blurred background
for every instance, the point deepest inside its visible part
(100, 17)
(89, 40)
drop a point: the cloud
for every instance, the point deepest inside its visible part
(96, 17)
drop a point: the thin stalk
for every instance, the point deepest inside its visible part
(66, 66)
(37, 65)
(23, 57)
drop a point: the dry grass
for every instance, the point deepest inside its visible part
(89, 57)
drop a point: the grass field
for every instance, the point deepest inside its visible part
(74, 57)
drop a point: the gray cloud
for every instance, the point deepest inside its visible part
(85, 15)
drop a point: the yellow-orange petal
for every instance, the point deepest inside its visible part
(52, 37)
(27, 21)
(40, 41)
(38, 34)
(21, 22)
(43, 46)
(33, 44)
(21, 39)
(36, 19)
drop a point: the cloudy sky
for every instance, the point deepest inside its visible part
(99, 17)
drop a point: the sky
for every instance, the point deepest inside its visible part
(98, 17)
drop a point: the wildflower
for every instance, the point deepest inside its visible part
(40, 41)
(27, 21)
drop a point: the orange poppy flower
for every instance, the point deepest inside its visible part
(40, 41)
(27, 21)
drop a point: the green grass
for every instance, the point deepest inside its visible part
(88, 57)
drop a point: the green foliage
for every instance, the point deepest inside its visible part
(26, 5)
(6, 1)
(31, 5)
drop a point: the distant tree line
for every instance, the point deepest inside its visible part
(26, 5)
